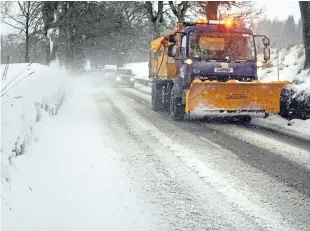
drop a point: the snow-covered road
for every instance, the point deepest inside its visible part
(207, 176)
(129, 168)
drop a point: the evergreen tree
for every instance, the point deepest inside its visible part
(289, 33)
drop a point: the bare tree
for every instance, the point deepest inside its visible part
(210, 8)
(49, 10)
(27, 21)
(135, 21)
(179, 10)
(155, 17)
(305, 18)
(214, 10)
(245, 10)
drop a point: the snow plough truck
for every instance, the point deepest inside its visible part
(209, 68)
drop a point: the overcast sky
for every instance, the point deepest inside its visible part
(280, 9)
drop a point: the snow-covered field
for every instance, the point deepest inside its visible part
(31, 95)
(290, 63)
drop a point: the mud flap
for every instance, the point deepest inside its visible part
(244, 98)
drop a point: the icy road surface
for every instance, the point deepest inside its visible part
(157, 174)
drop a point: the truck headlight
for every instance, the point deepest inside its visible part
(259, 64)
(132, 79)
(188, 61)
(118, 79)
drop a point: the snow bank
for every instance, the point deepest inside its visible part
(68, 182)
(141, 70)
(30, 92)
(304, 78)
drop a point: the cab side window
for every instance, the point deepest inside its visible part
(183, 47)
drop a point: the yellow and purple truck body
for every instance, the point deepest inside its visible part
(210, 69)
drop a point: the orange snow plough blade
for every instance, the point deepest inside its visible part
(255, 99)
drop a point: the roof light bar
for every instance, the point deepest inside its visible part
(227, 22)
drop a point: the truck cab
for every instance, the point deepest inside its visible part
(219, 51)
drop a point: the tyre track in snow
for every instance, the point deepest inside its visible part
(159, 185)
(182, 197)
(279, 160)
(282, 171)
(269, 191)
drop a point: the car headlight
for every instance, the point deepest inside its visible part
(132, 79)
(118, 79)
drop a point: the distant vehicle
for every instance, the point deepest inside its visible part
(109, 71)
(124, 77)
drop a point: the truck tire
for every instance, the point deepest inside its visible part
(176, 108)
(166, 97)
(244, 119)
(156, 97)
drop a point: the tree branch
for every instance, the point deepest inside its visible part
(10, 17)
(160, 7)
(149, 9)
(22, 9)
(36, 27)
(172, 7)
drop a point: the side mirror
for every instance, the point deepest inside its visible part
(266, 41)
(172, 38)
(172, 50)
(266, 53)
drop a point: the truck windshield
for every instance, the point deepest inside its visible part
(221, 46)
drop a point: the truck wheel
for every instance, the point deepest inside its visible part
(166, 98)
(156, 97)
(176, 108)
(244, 119)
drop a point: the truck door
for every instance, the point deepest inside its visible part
(183, 47)
(172, 63)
